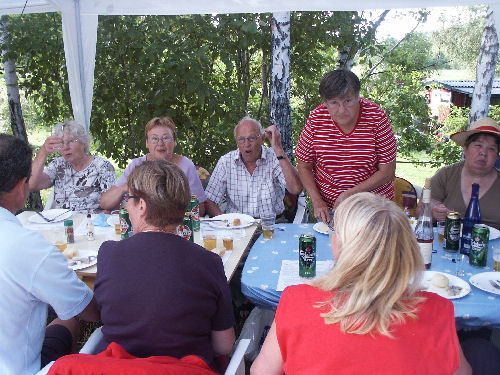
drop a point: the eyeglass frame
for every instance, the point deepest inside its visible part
(250, 138)
(127, 196)
(346, 103)
(70, 143)
(165, 139)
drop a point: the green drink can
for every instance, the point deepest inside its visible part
(125, 225)
(307, 255)
(452, 232)
(479, 245)
(185, 230)
(194, 208)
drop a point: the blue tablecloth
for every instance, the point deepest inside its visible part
(261, 272)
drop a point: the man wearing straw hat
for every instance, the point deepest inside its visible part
(452, 185)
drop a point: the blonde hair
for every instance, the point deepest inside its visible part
(164, 188)
(376, 275)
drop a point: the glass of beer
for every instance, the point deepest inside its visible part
(496, 257)
(59, 240)
(440, 228)
(228, 242)
(209, 241)
(268, 226)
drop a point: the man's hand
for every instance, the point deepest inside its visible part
(273, 134)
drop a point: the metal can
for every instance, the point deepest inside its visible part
(194, 208)
(452, 231)
(479, 245)
(307, 255)
(68, 230)
(125, 226)
(186, 228)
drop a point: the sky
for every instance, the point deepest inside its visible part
(398, 22)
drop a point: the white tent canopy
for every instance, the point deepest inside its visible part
(79, 22)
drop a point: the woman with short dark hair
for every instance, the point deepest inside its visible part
(158, 293)
(452, 184)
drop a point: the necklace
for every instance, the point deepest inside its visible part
(171, 231)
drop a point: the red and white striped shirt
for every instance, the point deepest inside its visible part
(342, 161)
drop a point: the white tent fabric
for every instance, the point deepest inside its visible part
(79, 22)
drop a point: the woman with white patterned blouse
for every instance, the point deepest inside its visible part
(79, 179)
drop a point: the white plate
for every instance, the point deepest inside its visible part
(494, 233)
(246, 221)
(51, 214)
(321, 227)
(83, 253)
(454, 281)
(481, 281)
(112, 220)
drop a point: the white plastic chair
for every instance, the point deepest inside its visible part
(236, 365)
(302, 214)
(50, 200)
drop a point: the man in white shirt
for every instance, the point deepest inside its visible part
(252, 179)
(33, 275)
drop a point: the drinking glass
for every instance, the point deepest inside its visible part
(440, 228)
(57, 131)
(59, 239)
(209, 241)
(460, 260)
(227, 240)
(496, 256)
(268, 226)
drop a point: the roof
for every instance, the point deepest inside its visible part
(465, 86)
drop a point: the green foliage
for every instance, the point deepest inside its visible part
(461, 42)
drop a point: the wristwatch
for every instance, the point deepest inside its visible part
(280, 157)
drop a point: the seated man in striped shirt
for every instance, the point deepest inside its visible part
(252, 179)
(347, 146)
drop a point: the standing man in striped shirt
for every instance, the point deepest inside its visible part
(347, 146)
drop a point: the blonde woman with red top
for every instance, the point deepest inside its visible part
(367, 315)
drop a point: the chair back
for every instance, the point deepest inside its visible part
(204, 176)
(405, 195)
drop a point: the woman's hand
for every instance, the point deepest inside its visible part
(53, 144)
(321, 211)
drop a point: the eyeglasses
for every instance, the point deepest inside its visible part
(127, 196)
(165, 139)
(251, 139)
(70, 143)
(335, 104)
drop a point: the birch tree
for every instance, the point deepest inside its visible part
(485, 71)
(14, 100)
(280, 79)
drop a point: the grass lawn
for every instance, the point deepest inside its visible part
(415, 173)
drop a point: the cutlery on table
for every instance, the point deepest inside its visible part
(83, 260)
(494, 284)
(43, 217)
(55, 217)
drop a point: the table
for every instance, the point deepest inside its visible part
(262, 269)
(241, 245)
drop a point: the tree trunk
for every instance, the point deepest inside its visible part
(14, 100)
(485, 71)
(280, 79)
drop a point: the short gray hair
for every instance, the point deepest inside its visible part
(248, 118)
(74, 129)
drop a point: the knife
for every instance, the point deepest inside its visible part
(43, 217)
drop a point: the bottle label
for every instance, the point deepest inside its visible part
(426, 251)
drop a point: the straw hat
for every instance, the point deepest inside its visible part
(484, 125)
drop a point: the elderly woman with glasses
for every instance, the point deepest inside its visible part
(158, 293)
(347, 146)
(161, 139)
(367, 315)
(78, 178)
